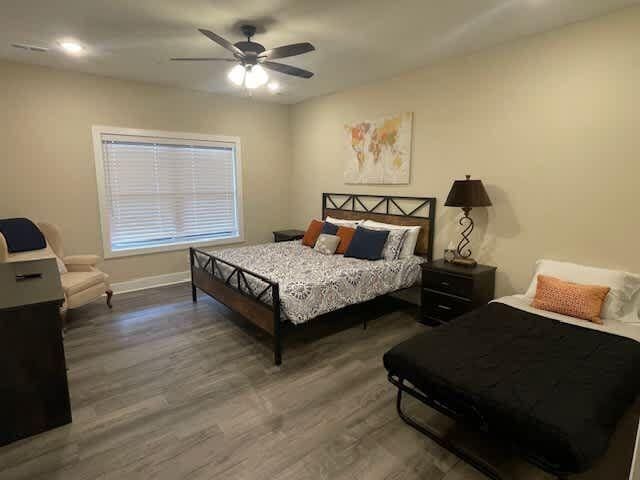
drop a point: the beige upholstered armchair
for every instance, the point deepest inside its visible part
(81, 281)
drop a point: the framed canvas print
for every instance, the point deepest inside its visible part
(379, 151)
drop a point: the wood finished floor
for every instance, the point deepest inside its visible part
(162, 388)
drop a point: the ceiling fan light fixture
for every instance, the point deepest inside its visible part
(256, 76)
(253, 58)
(237, 75)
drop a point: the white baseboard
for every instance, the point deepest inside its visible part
(150, 282)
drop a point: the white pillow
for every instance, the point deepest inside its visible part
(623, 285)
(343, 223)
(393, 245)
(409, 241)
(631, 313)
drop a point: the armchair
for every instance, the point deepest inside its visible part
(81, 281)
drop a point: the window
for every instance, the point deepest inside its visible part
(164, 191)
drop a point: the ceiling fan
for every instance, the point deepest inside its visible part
(252, 57)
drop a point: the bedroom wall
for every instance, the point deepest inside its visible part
(47, 155)
(549, 123)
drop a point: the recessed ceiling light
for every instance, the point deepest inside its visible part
(71, 47)
(273, 87)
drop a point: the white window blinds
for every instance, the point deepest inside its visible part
(164, 191)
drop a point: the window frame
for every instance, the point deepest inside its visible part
(105, 220)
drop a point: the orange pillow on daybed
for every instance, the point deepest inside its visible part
(575, 300)
(313, 232)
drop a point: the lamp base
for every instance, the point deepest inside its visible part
(465, 256)
(464, 262)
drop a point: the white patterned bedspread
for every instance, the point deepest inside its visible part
(312, 283)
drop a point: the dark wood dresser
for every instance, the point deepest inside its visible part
(34, 395)
(449, 290)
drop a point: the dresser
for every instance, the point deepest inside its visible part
(450, 290)
(34, 395)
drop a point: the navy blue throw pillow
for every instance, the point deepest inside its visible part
(329, 228)
(21, 235)
(367, 244)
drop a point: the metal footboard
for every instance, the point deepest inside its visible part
(470, 416)
(253, 296)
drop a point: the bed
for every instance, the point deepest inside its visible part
(279, 285)
(551, 386)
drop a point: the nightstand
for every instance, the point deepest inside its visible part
(450, 290)
(287, 235)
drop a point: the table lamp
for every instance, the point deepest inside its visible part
(467, 194)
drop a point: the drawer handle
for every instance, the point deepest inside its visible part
(444, 284)
(28, 276)
(444, 307)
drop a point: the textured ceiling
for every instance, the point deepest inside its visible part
(356, 41)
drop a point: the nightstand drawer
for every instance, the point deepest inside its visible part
(443, 282)
(443, 307)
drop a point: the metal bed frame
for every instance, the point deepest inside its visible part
(469, 415)
(236, 292)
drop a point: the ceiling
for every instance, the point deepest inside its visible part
(357, 41)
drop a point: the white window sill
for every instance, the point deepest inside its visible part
(130, 252)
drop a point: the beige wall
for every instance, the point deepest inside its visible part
(47, 155)
(550, 124)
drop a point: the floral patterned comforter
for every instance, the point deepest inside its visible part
(312, 283)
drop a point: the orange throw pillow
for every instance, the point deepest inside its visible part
(580, 301)
(346, 235)
(313, 232)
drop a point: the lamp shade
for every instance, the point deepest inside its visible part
(468, 193)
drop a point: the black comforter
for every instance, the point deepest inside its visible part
(554, 389)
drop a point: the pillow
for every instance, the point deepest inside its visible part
(623, 285)
(393, 246)
(311, 235)
(410, 240)
(367, 244)
(329, 228)
(631, 311)
(346, 235)
(579, 301)
(394, 243)
(343, 223)
(327, 244)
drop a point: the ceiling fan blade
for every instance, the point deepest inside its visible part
(222, 42)
(288, 69)
(187, 59)
(288, 50)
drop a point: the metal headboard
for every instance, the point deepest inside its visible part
(418, 211)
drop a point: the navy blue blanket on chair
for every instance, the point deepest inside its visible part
(21, 235)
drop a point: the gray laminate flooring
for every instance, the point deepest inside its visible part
(162, 388)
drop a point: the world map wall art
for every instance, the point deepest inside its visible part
(379, 151)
